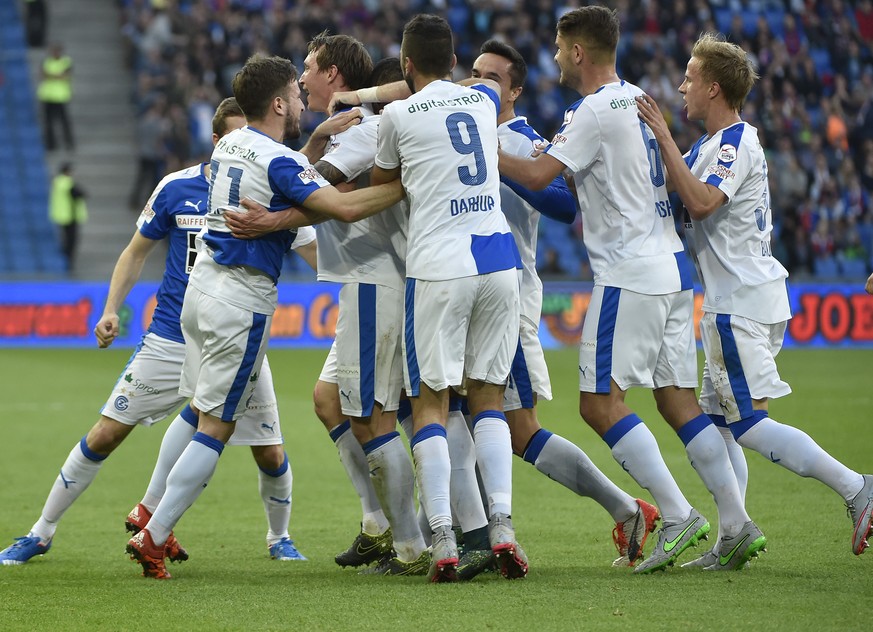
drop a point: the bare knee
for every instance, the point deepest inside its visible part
(269, 457)
(106, 435)
(325, 398)
(523, 425)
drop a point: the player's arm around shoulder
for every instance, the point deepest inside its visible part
(531, 173)
(701, 199)
(125, 275)
(355, 205)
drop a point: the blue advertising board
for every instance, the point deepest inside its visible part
(60, 314)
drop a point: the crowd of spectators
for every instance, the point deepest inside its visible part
(813, 105)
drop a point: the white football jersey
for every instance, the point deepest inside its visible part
(444, 139)
(523, 218)
(364, 251)
(732, 246)
(627, 218)
(246, 163)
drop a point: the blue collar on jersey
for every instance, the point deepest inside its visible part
(256, 130)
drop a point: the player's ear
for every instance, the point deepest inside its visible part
(514, 93)
(215, 138)
(454, 61)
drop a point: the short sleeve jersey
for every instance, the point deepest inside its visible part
(246, 163)
(176, 211)
(364, 251)
(444, 139)
(627, 218)
(732, 246)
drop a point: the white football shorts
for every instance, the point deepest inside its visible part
(328, 371)
(147, 392)
(529, 375)
(460, 327)
(637, 340)
(366, 357)
(224, 349)
(740, 364)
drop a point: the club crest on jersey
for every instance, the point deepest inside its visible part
(727, 153)
(310, 174)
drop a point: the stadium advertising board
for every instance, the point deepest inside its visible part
(64, 314)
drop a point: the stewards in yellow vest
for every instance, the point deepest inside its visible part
(54, 92)
(67, 209)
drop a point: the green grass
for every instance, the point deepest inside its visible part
(49, 399)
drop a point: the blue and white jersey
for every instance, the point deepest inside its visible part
(732, 246)
(518, 138)
(627, 218)
(247, 163)
(372, 250)
(175, 210)
(444, 139)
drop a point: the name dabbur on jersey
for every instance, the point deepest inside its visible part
(475, 204)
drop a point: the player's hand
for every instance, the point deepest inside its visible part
(539, 148)
(340, 99)
(257, 221)
(106, 330)
(869, 285)
(650, 113)
(338, 123)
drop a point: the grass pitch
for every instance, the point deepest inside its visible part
(49, 399)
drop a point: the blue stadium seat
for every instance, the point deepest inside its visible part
(723, 18)
(826, 268)
(776, 21)
(822, 60)
(853, 268)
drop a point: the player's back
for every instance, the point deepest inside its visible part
(626, 214)
(176, 211)
(444, 138)
(372, 250)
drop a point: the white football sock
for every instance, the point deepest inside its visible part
(566, 463)
(275, 488)
(76, 474)
(708, 455)
(373, 520)
(433, 471)
(466, 499)
(634, 448)
(185, 483)
(494, 457)
(176, 439)
(795, 450)
(391, 475)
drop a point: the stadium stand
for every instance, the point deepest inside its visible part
(27, 243)
(813, 105)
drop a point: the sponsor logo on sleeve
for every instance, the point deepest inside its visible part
(727, 153)
(721, 171)
(559, 140)
(147, 213)
(568, 116)
(309, 175)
